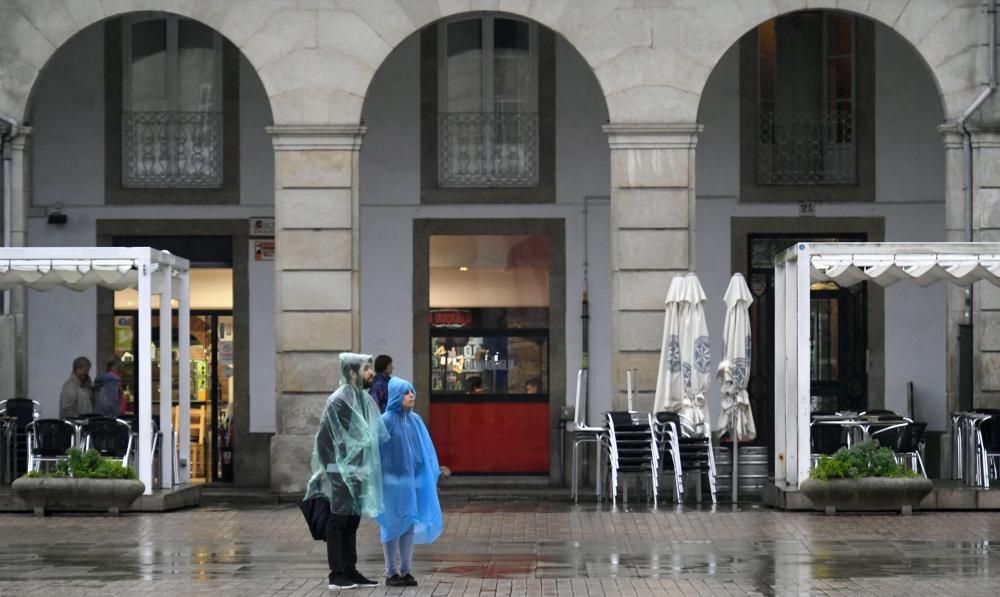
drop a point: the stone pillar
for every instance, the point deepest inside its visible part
(317, 282)
(985, 228)
(652, 240)
(20, 199)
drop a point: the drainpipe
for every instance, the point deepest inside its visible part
(9, 130)
(966, 329)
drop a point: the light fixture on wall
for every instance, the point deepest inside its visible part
(56, 216)
(463, 268)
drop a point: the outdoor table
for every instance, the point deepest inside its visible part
(852, 424)
(8, 449)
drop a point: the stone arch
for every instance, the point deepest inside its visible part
(922, 56)
(316, 64)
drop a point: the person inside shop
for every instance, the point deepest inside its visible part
(109, 395)
(533, 386)
(410, 474)
(451, 381)
(77, 395)
(475, 385)
(380, 385)
(346, 468)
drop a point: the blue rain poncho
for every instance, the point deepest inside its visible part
(346, 466)
(409, 472)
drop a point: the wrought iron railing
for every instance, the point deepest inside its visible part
(806, 148)
(485, 149)
(172, 149)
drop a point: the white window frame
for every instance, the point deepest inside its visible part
(486, 23)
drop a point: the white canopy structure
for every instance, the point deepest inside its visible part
(846, 264)
(151, 272)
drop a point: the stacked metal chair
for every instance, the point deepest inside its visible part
(697, 452)
(24, 410)
(667, 432)
(632, 450)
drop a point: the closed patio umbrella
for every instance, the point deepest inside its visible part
(734, 370)
(685, 358)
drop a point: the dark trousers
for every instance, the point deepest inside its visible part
(342, 543)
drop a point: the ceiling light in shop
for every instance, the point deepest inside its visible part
(463, 268)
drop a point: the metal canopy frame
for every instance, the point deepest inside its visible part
(845, 263)
(156, 273)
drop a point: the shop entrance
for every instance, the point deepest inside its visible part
(491, 331)
(212, 342)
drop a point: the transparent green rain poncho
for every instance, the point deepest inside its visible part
(345, 459)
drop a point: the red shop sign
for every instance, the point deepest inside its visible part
(451, 318)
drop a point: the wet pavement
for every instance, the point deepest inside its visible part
(513, 549)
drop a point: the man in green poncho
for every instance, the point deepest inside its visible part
(346, 469)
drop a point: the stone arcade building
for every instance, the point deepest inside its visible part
(550, 147)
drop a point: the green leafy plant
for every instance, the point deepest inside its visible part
(866, 459)
(87, 465)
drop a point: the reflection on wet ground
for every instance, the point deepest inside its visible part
(489, 547)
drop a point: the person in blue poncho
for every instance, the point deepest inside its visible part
(409, 485)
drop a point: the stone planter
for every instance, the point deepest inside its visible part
(47, 494)
(868, 494)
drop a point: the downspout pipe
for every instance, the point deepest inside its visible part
(9, 130)
(988, 89)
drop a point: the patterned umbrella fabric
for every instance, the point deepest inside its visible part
(685, 358)
(734, 370)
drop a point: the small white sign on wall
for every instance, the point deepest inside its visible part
(261, 227)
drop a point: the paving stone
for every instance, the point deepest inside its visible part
(512, 549)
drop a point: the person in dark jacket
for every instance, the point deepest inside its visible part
(108, 391)
(380, 385)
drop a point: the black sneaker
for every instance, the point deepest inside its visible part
(341, 581)
(409, 580)
(395, 581)
(360, 579)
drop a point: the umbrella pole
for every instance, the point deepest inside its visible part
(736, 456)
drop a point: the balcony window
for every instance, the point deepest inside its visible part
(488, 103)
(806, 100)
(172, 131)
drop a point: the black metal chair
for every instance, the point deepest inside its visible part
(697, 454)
(631, 448)
(48, 441)
(24, 411)
(909, 447)
(111, 437)
(667, 432)
(825, 437)
(989, 444)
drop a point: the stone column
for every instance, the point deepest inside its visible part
(986, 228)
(652, 240)
(20, 199)
(317, 282)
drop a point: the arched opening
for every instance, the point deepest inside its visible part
(148, 129)
(484, 166)
(823, 125)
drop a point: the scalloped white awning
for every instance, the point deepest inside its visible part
(885, 269)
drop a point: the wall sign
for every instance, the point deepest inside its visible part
(261, 227)
(263, 250)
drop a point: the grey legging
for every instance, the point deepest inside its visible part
(399, 550)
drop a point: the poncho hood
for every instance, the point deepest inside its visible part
(409, 472)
